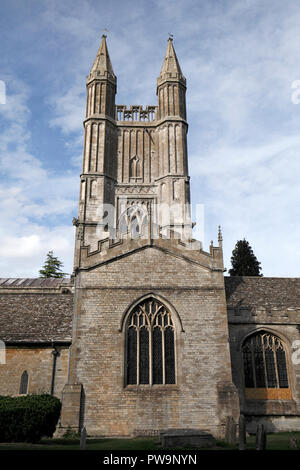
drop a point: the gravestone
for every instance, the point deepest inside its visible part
(242, 433)
(293, 444)
(261, 439)
(83, 438)
(186, 437)
(230, 433)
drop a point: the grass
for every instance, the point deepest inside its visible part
(275, 441)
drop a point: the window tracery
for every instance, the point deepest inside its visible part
(264, 359)
(150, 345)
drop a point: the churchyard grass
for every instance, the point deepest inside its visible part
(275, 441)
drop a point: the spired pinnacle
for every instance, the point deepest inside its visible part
(170, 66)
(220, 236)
(102, 64)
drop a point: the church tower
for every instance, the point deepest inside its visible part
(135, 160)
(150, 334)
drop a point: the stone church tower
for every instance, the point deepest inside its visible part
(150, 346)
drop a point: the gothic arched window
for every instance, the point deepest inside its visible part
(150, 345)
(134, 220)
(24, 383)
(134, 168)
(265, 366)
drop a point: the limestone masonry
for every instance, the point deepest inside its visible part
(148, 334)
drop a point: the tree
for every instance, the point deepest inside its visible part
(52, 267)
(244, 261)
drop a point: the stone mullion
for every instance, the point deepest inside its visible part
(138, 356)
(150, 355)
(275, 361)
(162, 329)
(264, 361)
(253, 361)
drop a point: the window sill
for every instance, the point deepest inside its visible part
(268, 394)
(154, 388)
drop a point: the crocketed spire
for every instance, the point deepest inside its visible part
(170, 67)
(102, 66)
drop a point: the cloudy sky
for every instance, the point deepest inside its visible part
(241, 59)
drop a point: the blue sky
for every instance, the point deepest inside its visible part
(240, 58)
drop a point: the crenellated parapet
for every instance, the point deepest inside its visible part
(110, 249)
(136, 113)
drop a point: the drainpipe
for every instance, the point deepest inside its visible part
(55, 354)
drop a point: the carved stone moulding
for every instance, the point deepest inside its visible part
(136, 189)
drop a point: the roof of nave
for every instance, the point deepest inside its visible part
(33, 282)
(252, 291)
(35, 310)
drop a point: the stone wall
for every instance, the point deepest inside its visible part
(272, 305)
(203, 395)
(38, 362)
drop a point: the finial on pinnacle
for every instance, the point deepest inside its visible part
(170, 37)
(104, 35)
(220, 236)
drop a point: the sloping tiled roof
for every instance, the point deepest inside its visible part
(261, 291)
(33, 282)
(38, 317)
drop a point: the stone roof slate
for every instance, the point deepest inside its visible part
(250, 291)
(38, 318)
(33, 282)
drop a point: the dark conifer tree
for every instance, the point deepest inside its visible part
(244, 261)
(52, 267)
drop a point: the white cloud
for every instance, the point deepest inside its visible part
(30, 197)
(240, 59)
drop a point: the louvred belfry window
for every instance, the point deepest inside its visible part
(150, 345)
(265, 367)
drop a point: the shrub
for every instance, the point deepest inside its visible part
(28, 418)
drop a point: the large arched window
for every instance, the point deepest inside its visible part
(150, 345)
(265, 367)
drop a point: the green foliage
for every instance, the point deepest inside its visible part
(28, 418)
(243, 260)
(70, 434)
(52, 267)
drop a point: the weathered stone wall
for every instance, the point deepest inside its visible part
(203, 394)
(38, 362)
(272, 305)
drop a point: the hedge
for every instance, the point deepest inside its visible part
(28, 418)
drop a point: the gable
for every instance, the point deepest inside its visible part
(152, 267)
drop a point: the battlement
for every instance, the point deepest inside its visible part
(136, 113)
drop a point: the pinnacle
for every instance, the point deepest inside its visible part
(170, 66)
(102, 64)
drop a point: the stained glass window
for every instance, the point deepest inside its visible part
(150, 344)
(264, 361)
